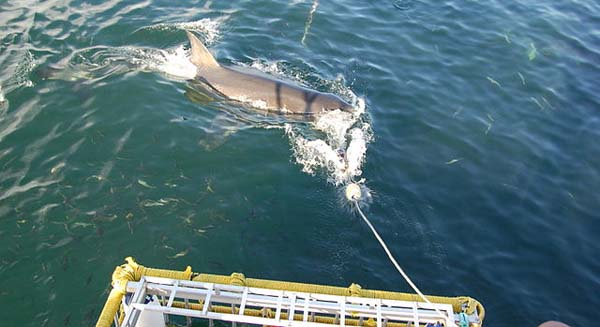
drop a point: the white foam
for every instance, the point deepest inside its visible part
(316, 154)
(355, 153)
(25, 68)
(21, 74)
(335, 125)
(3, 102)
(177, 63)
(268, 67)
(339, 149)
(17, 78)
(340, 152)
(208, 27)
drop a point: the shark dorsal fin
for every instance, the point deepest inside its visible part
(201, 57)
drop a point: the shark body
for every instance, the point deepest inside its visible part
(260, 91)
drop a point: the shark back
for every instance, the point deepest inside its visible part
(258, 90)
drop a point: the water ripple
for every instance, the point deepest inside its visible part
(483, 163)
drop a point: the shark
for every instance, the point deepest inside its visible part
(259, 90)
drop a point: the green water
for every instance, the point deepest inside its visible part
(484, 164)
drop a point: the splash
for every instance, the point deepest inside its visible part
(174, 63)
(355, 153)
(3, 102)
(209, 28)
(24, 69)
(339, 149)
(336, 142)
(99, 62)
(272, 67)
(20, 76)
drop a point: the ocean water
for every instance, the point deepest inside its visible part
(476, 135)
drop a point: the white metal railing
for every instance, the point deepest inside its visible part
(295, 304)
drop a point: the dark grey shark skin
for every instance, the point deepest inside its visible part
(258, 90)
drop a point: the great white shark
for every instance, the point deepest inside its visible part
(260, 91)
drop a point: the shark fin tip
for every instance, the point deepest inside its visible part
(200, 56)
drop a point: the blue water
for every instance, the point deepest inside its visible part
(483, 163)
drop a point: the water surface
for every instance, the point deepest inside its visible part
(483, 162)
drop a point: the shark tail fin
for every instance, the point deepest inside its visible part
(201, 57)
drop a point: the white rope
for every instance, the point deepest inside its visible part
(400, 270)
